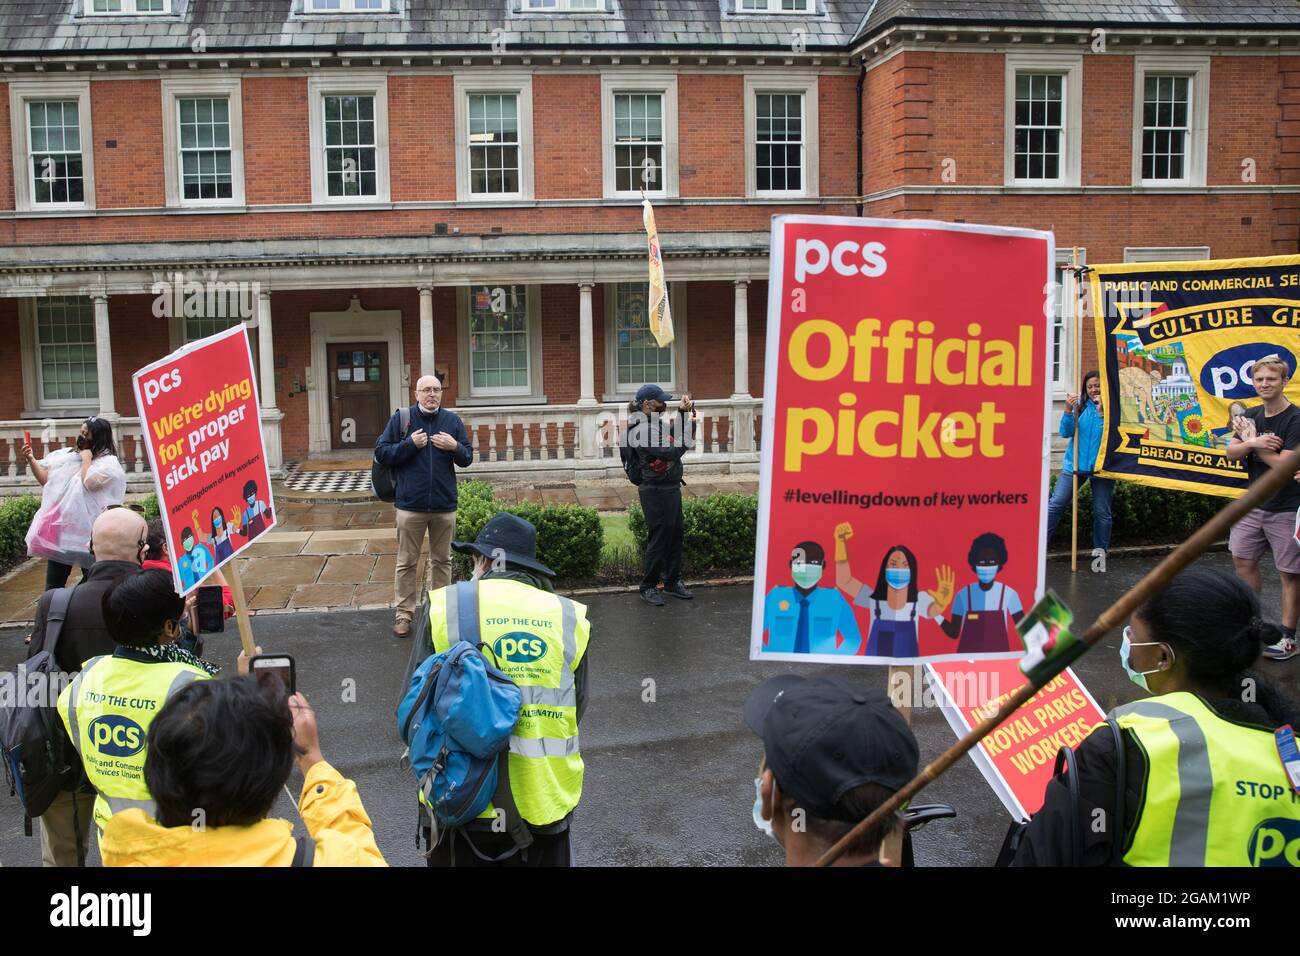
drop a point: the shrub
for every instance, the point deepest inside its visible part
(1141, 514)
(473, 491)
(150, 504)
(569, 537)
(719, 532)
(15, 518)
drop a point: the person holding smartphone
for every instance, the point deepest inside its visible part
(659, 438)
(221, 752)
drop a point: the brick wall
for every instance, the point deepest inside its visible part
(422, 157)
(566, 137)
(710, 135)
(277, 160)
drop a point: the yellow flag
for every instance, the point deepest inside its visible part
(661, 318)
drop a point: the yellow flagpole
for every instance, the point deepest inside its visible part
(1078, 405)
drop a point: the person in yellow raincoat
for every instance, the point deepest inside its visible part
(220, 753)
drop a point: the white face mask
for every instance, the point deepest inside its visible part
(764, 825)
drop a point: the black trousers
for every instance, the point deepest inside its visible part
(56, 575)
(547, 849)
(664, 522)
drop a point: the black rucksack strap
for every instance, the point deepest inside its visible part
(404, 418)
(1067, 762)
(55, 615)
(503, 799)
(304, 853)
(1117, 829)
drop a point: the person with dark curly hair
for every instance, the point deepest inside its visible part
(980, 612)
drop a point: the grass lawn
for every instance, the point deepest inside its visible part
(618, 537)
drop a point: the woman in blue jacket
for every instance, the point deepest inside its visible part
(1087, 416)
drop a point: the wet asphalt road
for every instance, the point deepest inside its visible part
(669, 782)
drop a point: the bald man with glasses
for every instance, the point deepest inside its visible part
(423, 457)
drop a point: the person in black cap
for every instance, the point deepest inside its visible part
(539, 640)
(659, 442)
(833, 752)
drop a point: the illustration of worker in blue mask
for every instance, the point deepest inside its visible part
(195, 562)
(805, 618)
(979, 615)
(896, 602)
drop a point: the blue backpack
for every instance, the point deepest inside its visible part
(456, 719)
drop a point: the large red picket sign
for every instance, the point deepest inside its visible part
(199, 414)
(903, 491)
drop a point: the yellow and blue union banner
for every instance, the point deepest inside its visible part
(661, 318)
(1177, 341)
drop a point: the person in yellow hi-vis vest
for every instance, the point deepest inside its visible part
(1198, 777)
(539, 640)
(108, 708)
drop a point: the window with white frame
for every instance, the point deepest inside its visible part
(562, 6)
(345, 6)
(1171, 109)
(494, 135)
(126, 7)
(1065, 323)
(774, 6)
(1166, 253)
(203, 142)
(639, 130)
(1044, 117)
(66, 363)
(499, 347)
(51, 141)
(781, 137)
(349, 138)
(638, 358)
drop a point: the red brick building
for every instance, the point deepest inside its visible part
(380, 188)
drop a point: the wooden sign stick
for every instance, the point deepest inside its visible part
(1187, 552)
(241, 608)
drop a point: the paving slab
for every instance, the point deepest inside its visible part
(382, 545)
(559, 496)
(372, 595)
(289, 572)
(322, 595)
(270, 598)
(384, 569)
(335, 546)
(276, 549)
(313, 519)
(347, 569)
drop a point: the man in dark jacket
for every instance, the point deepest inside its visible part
(423, 459)
(659, 441)
(119, 540)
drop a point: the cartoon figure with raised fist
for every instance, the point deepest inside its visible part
(895, 602)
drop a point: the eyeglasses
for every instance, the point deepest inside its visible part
(421, 391)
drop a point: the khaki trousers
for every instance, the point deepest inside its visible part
(411, 529)
(59, 831)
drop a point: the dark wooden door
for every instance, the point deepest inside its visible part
(359, 401)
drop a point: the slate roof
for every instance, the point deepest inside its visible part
(58, 26)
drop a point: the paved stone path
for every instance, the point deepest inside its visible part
(327, 554)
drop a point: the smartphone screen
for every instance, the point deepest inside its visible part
(280, 665)
(212, 617)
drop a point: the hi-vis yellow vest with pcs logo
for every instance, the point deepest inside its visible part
(1215, 791)
(537, 639)
(107, 710)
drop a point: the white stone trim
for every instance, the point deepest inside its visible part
(1198, 68)
(22, 91)
(613, 392)
(494, 82)
(365, 84)
(128, 10)
(1166, 253)
(348, 326)
(1069, 66)
(184, 87)
(309, 8)
(806, 85)
(636, 82)
(466, 394)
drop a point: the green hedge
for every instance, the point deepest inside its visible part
(569, 538)
(150, 504)
(1142, 514)
(15, 518)
(718, 532)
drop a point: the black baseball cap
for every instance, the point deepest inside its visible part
(823, 736)
(652, 393)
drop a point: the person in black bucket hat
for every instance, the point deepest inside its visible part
(833, 751)
(539, 640)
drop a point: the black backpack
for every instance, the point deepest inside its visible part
(382, 478)
(631, 463)
(40, 762)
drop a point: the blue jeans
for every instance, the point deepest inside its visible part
(1102, 490)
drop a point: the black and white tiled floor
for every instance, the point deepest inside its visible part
(325, 482)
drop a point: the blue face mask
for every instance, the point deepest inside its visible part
(897, 577)
(1125, 650)
(217, 521)
(986, 573)
(251, 498)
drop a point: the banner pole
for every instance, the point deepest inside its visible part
(1187, 552)
(241, 608)
(1078, 381)
(901, 694)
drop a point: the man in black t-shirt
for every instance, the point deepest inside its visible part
(1262, 437)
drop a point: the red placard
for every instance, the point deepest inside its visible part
(1017, 758)
(199, 415)
(905, 416)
